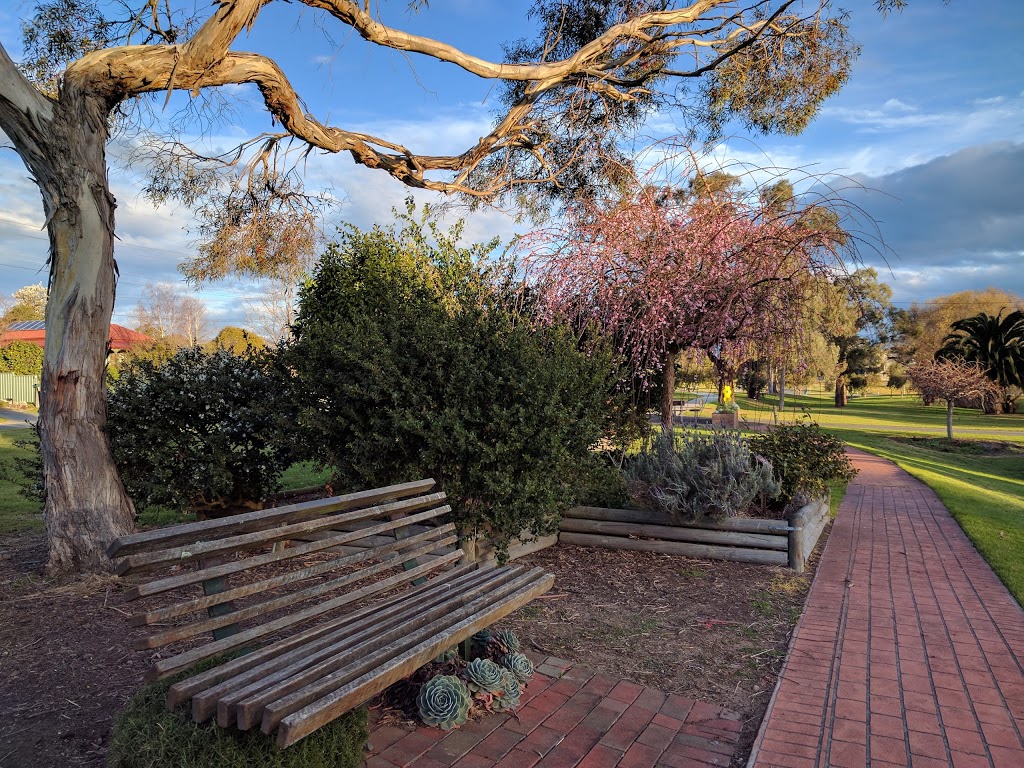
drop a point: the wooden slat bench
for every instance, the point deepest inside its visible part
(329, 602)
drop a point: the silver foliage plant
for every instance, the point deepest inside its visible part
(693, 474)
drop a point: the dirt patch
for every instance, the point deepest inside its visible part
(712, 631)
(708, 630)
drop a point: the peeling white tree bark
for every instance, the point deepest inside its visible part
(63, 144)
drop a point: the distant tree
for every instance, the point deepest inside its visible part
(950, 380)
(237, 340)
(926, 325)
(995, 343)
(860, 329)
(28, 303)
(164, 311)
(897, 378)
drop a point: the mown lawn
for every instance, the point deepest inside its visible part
(18, 513)
(885, 413)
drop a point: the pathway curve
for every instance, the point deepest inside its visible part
(910, 651)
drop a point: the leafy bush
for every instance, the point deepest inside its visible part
(202, 430)
(414, 360)
(146, 735)
(693, 474)
(805, 460)
(21, 358)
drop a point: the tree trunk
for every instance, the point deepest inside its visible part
(668, 393)
(949, 419)
(86, 504)
(782, 387)
(840, 392)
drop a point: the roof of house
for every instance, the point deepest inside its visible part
(34, 332)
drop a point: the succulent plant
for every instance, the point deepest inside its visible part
(448, 655)
(510, 693)
(506, 640)
(518, 665)
(444, 701)
(484, 675)
(483, 637)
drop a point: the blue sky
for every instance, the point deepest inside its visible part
(931, 125)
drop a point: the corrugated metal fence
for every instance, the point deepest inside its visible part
(20, 389)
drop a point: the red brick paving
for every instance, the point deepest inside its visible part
(910, 651)
(572, 718)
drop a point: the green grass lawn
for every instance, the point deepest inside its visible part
(884, 413)
(18, 513)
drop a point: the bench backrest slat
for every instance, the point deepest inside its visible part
(164, 667)
(211, 546)
(261, 519)
(439, 537)
(225, 569)
(273, 604)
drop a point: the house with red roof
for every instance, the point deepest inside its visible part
(34, 332)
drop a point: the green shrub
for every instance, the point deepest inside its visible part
(693, 474)
(21, 358)
(146, 735)
(805, 460)
(202, 430)
(600, 482)
(414, 360)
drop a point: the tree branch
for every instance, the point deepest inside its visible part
(24, 111)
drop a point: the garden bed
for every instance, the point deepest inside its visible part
(745, 540)
(712, 631)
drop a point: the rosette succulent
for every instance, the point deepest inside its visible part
(481, 641)
(444, 701)
(449, 655)
(484, 676)
(506, 640)
(518, 665)
(510, 693)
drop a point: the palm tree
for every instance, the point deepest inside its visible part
(996, 343)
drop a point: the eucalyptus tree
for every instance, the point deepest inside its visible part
(595, 70)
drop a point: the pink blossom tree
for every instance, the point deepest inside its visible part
(663, 273)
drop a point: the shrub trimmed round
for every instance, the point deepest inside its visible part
(146, 735)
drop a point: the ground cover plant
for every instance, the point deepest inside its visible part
(146, 735)
(691, 474)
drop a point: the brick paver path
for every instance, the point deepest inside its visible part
(572, 717)
(910, 650)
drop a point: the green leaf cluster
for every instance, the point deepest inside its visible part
(805, 459)
(203, 430)
(415, 358)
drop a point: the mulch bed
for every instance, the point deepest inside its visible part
(713, 631)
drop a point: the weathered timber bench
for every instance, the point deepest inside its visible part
(328, 602)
